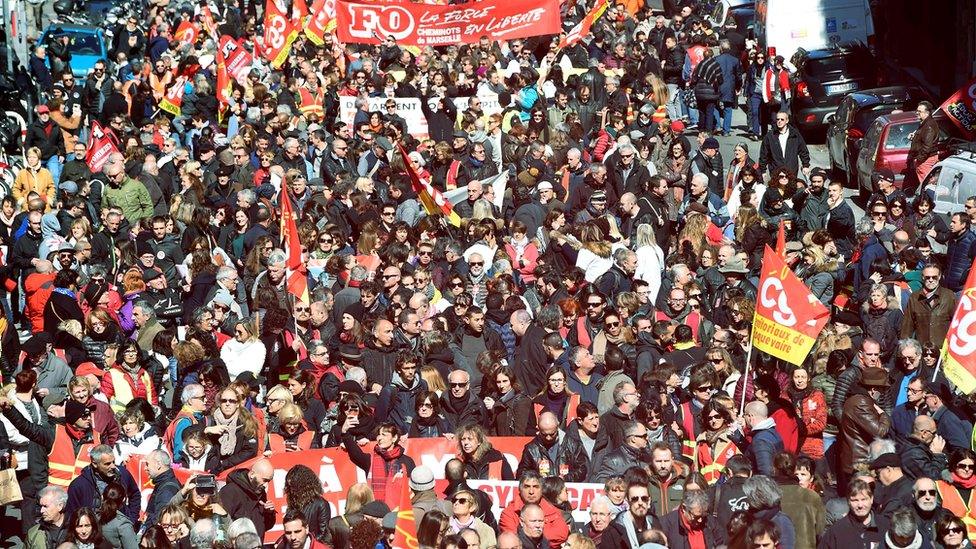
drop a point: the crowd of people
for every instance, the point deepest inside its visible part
(601, 303)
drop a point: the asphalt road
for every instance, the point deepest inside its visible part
(818, 151)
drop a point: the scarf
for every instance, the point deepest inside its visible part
(456, 525)
(696, 538)
(555, 403)
(797, 396)
(228, 439)
(379, 470)
(67, 292)
(965, 483)
(520, 245)
(74, 432)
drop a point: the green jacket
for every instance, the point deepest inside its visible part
(131, 197)
(46, 538)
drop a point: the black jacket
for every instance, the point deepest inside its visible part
(241, 499)
(165, 486)
(41, 437)
(480, 469)
(471, 412)
(378, 363)
(48, 138)
(571, 463)
(772, 156)
(677, 534)
(531, 360)
(707, 80)
(851, 533)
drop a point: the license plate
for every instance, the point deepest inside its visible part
(840, 88)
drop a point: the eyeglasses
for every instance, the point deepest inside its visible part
(879, 213)
(302, 309)
(462, 384)
(557, 380)
(715, 360)
(228, 401)
(388, 214)
(923, 493)
(703, 389)
(387, 277)
(635, 499)
(476, 263)
(714, 416)
(325, 240)
(936, 277)
(424, 253)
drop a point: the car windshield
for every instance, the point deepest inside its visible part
(870, 145)
(83, 43)
(850, 64)
(900, 136)
(955, 185)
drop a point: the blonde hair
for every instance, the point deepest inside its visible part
(579, 541)
(359, 494)
(290, 413)
(280, 391)
(71, 326)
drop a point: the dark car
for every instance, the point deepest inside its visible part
(848, 125)
(823, 77)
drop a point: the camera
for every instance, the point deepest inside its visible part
(205, 484)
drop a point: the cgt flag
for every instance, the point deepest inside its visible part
(406, 527)
(788, 317)
(433, 200)
(582, 28)
(101, 144)
(296, 272)
(173, 100)
(279, 33)
(959, 351)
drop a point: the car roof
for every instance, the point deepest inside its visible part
(71, 28)
(887, 95)
(898, 118)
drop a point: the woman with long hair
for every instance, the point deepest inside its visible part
(951, 532)
(511, 411)
(290, 433)
(233, 432)
(926, 222)
(811, 408)
(100, 331)
(201, 504)
(231, 237)
(84, 530)
(817, 272)
(555, 396)
(714, 445)
(751, 232)
(428, 422)
(614, 332)
(650, 259)
(245, 352)
(740, 160)
(593, 257)
(116, 528)
(674, 169)
(433, 527)
(302, 386)
(480, 459)
(191, 189)
(132, 287)
(303, 490)
(357, 496)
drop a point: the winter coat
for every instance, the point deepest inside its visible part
(378, 363)
(241, 499)
(860, 424)
(512, 415)
(555, 529)
(765, 443)
(707, 80)
(805, 510)
(471, 413)
(48, 138)
(812, 209)
(83, 492)
(918, 460)
(396, 401)
(120, 533)
(883, 325)
(959, 258)
(666, 495)
(772, 156)
(39, 181)
(673, 527)
(165, 486)
(956, 431)
(840, 225)
(480, 468)
(928, 320)
(821, 282)
(617, 461)
(572, 464)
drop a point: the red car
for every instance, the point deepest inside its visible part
(885, 145)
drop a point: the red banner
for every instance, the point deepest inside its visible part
(961, 109)
(187, 32)
(238, 59)
(436, 25)
(959, 358)
(100, 145)
(788, 317)
(338, 473)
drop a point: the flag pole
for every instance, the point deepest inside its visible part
(938, 363)
(745, 375)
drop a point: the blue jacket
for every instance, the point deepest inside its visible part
(731, 76)
(959, 258)
(766, 443)
(902, 423)
(872, 249)
(83, 492)
(956, 431)
(718, 211)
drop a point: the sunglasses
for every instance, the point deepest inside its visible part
(461, 500)
(592, 304)
(387, 277)
(613, 324)
(954, 530)
(964, 466)
(635, 499)
(922, 493)
(459, 384)
(228, 401)
(476, 263)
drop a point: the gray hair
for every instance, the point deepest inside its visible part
(100, 451)
(621, 255)
(618, 392)
(58, 493)
(881, 288)
(549, 317)
(613, 80)
(631, 428)
(537, 146)
(601, 500)
(191, 391)
(358, 272)
(909, 343)
(240, 527)
(357, 374)
(903, 524)
(700, 177)
(501, 266)
(225, 272)
(865, 228)
(522, 316)
(247, 540)
(162, 456)
(146, 308)
(762, 492)
(881, 446)
(247, 195)
(277, 256)
(697, 499)
(203, 533)
(625, 147)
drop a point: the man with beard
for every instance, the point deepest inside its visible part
(379, 356)
(94, 477)
(926, 508)
(654, 210)
(551, 289)
(552, 454)
(627, 530)
(812, 203)
(166, 249)
(667, 478)
(473, 339)
(587, 327)
(707, 201)
(459, 405)
(396, 402)
(245, 495)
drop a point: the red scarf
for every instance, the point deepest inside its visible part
(965, 483)
(696, 538)
(74, 432)
(379, 470)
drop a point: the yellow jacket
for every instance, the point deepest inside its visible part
(40, 182)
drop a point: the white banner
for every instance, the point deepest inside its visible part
(409, 109)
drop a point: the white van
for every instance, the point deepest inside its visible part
(783, 26)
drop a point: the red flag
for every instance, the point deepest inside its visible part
(173, 100)
(781, 241)
(406, 526)
(187, 32)
(101, 144)
(434, 202)
(224, 84)
(959, 349)
(583, 27)
(279, 33)
(788, 317)
(299, 11)
(297, 280)
(321, 22)
(208, 20)
(959, 108)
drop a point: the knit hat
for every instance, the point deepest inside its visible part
(143, 248)
(390, 520)
(598, 196)
(151, 274)
(74, 410)
(422, 478)
(350, 352)
(376, 509)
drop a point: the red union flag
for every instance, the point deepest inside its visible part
(788, 317)
(959, 350)
(433, 200)
(583, 27)
(187, 32)
(961, 109)
(321, 22)
(100, 145)
(173, 100)
(237, 58)
(440, 25)
(279, 33)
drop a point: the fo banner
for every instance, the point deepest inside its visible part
(959, 350)
(338, 473)
(961, 109)
(788, 317)
(441, 25)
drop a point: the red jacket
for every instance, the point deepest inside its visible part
(556, 530)
(38, 288)
(788, 430)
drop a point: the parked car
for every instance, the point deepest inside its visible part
(848, 125)
(86, 43)
(823, 77)
(743, 11)
(953, 180)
